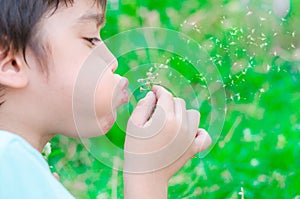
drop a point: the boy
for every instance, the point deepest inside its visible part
(43, 45)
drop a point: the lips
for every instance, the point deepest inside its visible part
(124, 84)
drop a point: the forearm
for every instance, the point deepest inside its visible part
(146, 186)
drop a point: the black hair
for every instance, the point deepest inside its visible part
(19, 20)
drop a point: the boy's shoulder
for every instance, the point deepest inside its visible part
(15, 151)
(13, 144)
(7, 140)
(23, 167)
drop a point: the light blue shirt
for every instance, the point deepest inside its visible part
(24, 173)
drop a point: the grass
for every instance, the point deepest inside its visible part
(256, 55)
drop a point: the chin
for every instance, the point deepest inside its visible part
(108, 123)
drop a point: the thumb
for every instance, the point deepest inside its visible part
(143, 110)
(202, 141)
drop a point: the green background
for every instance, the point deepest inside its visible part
(257, 54)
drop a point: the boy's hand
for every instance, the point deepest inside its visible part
(157, 146)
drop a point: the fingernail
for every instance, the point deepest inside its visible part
(149, 94)
(154, 88)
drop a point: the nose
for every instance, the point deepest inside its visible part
(114, 65)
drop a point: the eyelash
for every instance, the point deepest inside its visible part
(93, 40)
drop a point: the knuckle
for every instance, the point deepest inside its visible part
(143, 101)
(194, 113)
(180, 100)
(168, 94)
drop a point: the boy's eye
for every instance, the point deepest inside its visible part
(93, 40)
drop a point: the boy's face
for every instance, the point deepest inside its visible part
(71, 34)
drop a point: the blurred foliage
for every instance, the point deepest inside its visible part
(257, 54)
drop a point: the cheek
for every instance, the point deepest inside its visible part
(104, 99)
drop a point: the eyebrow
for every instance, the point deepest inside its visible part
(98, 18)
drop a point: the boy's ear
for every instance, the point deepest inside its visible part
(13, 69)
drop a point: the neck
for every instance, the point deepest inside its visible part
(37, 142)
(29, 132)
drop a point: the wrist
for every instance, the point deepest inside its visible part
(145, 186)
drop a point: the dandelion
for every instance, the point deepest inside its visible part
(152, 76)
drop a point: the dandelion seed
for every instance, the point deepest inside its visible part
(47, 150)
(162, 66)
(293, 34)
(249, 13)
(238, 96)
(149, 74)
(197, 29)
(262, 18)
(142, 89)
(242, 193)
(275, 34)
(293, 46)
(263, 39)
(263, 45)
(147, 84)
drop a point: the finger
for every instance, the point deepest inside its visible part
(202, 141)
(143, 110)
(165, 100)
(180, 111)
(194, 120)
